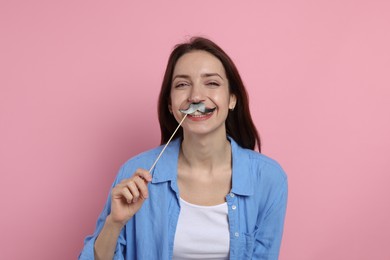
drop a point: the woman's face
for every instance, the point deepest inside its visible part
(200, 77)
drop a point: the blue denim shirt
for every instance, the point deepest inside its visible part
(256, 207)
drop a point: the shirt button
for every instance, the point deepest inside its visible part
(236, 234)
(231, 195)
(234, 207)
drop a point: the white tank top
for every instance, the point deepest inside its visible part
(202, 232)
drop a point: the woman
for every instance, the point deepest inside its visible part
(210, 196)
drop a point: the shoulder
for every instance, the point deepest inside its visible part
(264, 168)
(267, 164)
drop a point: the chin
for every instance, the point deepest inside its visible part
(205, 131)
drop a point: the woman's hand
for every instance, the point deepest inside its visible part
(128, 196)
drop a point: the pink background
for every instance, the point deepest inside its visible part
(78, 87)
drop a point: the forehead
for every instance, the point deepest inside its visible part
(198, 62)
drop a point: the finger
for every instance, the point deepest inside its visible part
(144, 174)
(131, 185)
(122, 192)
(124, 182)
(142, 187)
(127, 195)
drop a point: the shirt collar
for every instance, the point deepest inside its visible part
(166, 167)
(242, 184)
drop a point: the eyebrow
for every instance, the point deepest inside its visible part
(181, 76)
(204, 75)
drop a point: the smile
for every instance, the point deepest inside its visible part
(201, 114)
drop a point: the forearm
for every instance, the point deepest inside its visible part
(105, 243)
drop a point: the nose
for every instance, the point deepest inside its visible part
(196, 95)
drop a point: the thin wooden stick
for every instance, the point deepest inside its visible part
(158, 157)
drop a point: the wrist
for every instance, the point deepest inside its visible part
(117, 226)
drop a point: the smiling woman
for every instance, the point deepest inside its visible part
(200, 77)
(238, 123)
(210, 196)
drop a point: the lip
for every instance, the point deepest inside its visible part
(200, 117)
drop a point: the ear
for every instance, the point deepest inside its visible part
(232, 101)
(170, 108)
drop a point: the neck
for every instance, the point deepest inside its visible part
(206, 152)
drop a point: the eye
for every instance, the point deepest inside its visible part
(213, 84)
(181, 85)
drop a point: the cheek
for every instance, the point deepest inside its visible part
(221, 100)
(174, 103)
(172, 99)
(177, 99)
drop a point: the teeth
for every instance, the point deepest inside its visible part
(199, 114)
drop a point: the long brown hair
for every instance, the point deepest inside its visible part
(239, 124)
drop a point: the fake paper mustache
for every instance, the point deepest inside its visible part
(201, 107)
